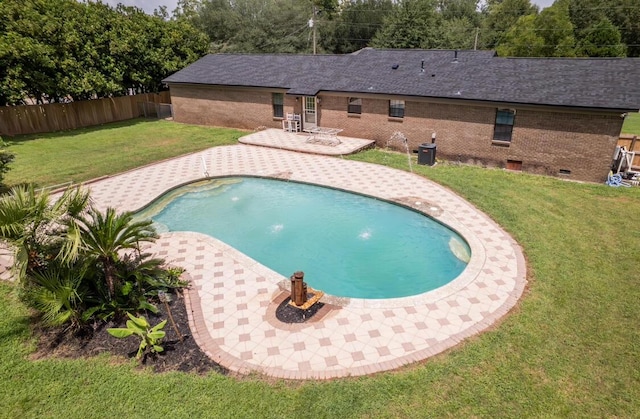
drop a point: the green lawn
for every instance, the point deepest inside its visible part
(569, 349)
(80, 155)
(632, 124)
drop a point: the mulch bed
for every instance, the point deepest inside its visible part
(183, 356)
(289, 314)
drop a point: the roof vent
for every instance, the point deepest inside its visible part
(395, 66)
(422, 66)
(455, 56)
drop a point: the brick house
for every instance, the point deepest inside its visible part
(553, 116)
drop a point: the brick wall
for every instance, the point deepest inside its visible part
(222, 107)
(580, 145)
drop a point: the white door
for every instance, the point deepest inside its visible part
(310, 119)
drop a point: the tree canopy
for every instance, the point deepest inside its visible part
(568, 28)
(575, 28)
(61, 50)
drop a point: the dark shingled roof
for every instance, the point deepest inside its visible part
(605, 83)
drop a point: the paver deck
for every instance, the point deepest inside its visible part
(232, 298)
(298, 141)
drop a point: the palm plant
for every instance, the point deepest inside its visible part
(34, 223)
(72, 258)
(102, 237)
(58, 294)
(149, 275)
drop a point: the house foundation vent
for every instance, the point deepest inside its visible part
(514, 165)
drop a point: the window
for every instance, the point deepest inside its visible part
(355, 105)
(504, 124)
(396, 108)
(278, 105)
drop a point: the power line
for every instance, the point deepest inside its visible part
(581, 9)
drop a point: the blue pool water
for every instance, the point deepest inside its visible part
(347, 245)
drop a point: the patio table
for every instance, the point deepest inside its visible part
(323, 135)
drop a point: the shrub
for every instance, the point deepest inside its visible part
(58, 294)
(6, 157)
(76, 263)
(150, 337)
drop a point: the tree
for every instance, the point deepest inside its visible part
(585, 13)
(273, 26)
(588, 18)
(185, 10)
(554, 31)
(325, 8)
(412, 24)
(85, 64)
(266, 26)
(458, 33)
(166, 47)
(60, 50)
(357, 24)
(219, 20)
(601, 40)
(501, 16)
(625, 16)
(460, 9)
(26, 63)
(522, 40)
(547, 34)
(555, 28)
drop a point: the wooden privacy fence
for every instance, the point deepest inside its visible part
(31, 119)
(631, 143)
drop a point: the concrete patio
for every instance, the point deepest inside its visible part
(299, 141)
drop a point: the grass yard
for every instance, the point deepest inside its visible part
(632, 124)
(569, 349)
(83, 154)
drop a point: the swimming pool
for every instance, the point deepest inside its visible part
(348, 245)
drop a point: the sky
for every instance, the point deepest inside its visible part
(146, 5)
(149, 5)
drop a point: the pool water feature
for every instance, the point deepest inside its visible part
(348, 245)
